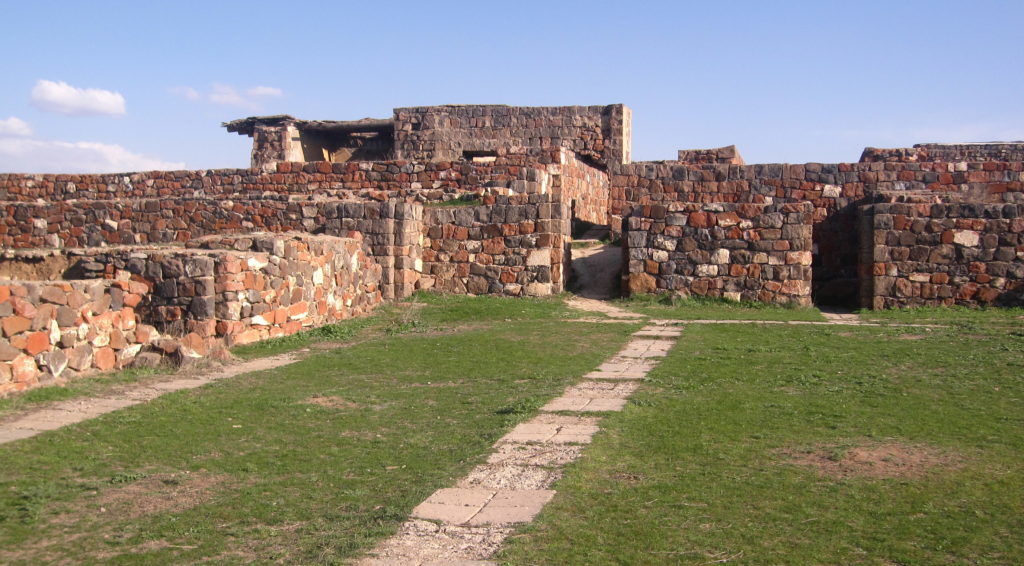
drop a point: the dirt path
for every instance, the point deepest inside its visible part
(63, 413)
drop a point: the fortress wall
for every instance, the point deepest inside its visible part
(942, 254)
(514, 245)
(947, 153)
(140, 305)
(834, 190)
(380, 180)
(750, 252)
(390, 229)
(431, 133)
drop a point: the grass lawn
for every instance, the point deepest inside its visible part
(698, 308)
(309, 463)
(759, 444)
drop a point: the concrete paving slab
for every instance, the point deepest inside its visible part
(512, 506)
(453, 505)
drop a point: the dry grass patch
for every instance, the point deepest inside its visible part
(874, 460)
(159, 493)
(331, 402)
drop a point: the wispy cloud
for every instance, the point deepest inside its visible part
(62, 98)
(186, 92)
(15, 126)
(19, 155)
(227, 95)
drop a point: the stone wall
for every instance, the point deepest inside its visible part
(378, 180)
(431, 133)
(514, 245)
(749, 252)
(947, 153)
(727, 155)
(835, 190)
(53, 330)
(180, 302)
(921, 254)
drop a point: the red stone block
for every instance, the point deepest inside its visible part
(700, 220)
(37, 342)
(104, 358)
(781, 245)
(15, 324)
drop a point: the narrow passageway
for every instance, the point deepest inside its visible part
(597, 271)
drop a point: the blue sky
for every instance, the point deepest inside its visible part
(784, 81)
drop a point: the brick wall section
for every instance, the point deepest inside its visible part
(750, 252)
(185, 303)
(431, 133)
(947, 153)
(514, 246)
(942, 254)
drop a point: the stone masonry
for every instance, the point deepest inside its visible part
(477, 199)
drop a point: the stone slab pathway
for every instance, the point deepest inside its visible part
(467, 524)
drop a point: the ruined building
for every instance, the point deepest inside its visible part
(104, 271)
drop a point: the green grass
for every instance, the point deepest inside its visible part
(699, 308)
(700, 469)
(308, 463)
(949, 315)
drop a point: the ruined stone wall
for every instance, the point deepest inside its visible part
(379, 180)
(727, 155)
(388, 227)
(53, 330)
(431, 133)
(749, 252)
(514, 245)
(180, 302)
(946, 153)
(833, 189)
(583, 188)
(920, 254)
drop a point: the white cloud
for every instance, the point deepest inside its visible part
(186, 92)
(62, 98)
(265, 91)
(38, 156)
(227, 95)
(14, 126)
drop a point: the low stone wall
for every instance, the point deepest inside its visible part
(515, 245)
(946, 153)
(180, 302)
(53, 330)
(942, 254)
(749, 252)
(378, 180)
